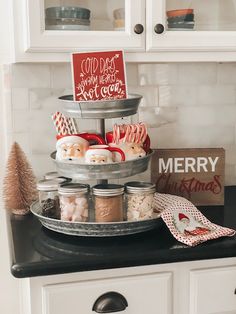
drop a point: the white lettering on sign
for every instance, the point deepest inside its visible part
(181, 164)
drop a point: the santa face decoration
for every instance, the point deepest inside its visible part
(132, 151)
(188, 225)
(101, 154)
(71, 148)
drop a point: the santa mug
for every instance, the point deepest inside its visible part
(101, 154)
(131, 149)
(73, 147)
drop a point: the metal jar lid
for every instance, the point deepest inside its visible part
(55, 176)
(108, 189)
(140, 187)
(48, 185)
(71, 188)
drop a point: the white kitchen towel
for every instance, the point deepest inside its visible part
(186, 223)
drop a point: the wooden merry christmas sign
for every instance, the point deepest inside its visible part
(99, 75)
(196, 174)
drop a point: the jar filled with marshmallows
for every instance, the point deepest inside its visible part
(139, 200)
(74, 202)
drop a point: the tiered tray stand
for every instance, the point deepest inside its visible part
(100, 110)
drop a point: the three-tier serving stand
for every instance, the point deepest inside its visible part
(100, 110)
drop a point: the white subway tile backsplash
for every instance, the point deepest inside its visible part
(20, 99)
(227, 73)
(61, 76)
(132, 74)
(216, 95)
(31, 75)
(45, 99)
(177, 95)
(207, 116)
(184, 105)
(157, 74)
(21, 121)
(23, 139)
(197, 73)
(183, 136)
(42, 143)
(154, 117)
(42, 164)
(149, 94)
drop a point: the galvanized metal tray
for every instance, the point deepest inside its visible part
(95, 229)
(113, 170)
(104, 109)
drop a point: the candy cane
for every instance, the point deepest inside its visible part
(59, 123)
(71, 126)
(144, 133)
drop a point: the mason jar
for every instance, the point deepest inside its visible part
(53, 175)
(108, 202)
(139, 200)
(48, 198)
(74, 202)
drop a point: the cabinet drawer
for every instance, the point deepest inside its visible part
(212, 291)
(144, 294)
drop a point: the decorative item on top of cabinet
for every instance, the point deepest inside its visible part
(19, 189)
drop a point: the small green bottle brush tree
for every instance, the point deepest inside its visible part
(19, 187)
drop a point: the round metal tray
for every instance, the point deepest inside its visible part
(104, 109)
(113, 170)
(94, 229)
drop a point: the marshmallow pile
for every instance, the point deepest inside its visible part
(139, 207)
(74, 208)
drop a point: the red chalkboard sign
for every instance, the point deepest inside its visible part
(98, 75)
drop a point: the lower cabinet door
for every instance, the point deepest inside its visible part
(213, 291)
(144, 294)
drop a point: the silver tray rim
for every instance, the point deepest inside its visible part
(106, 165)
(79, 228)
(131, 96)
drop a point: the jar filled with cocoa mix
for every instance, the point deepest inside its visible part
(108, 202)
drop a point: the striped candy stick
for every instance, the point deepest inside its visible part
(59, 123)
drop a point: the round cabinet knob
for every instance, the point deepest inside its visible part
(110, 302)
(159, 28)
(138, 28)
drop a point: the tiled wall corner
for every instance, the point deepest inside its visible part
(184, 105)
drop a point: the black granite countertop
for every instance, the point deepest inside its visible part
(37, 251)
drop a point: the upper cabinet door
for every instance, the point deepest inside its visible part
(72, 25)
(191, 25)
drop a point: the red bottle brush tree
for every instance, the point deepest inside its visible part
(19, 187)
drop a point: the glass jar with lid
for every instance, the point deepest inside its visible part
(108, 202)
(53, 175)
(48, 197)
(74, 202)
(139, 200)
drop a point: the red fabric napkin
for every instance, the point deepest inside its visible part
(186, 223)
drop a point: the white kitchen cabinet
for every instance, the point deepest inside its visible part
(101, 35)
(198, 287)
(214, 26)
(213, 291)
(25, 37)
